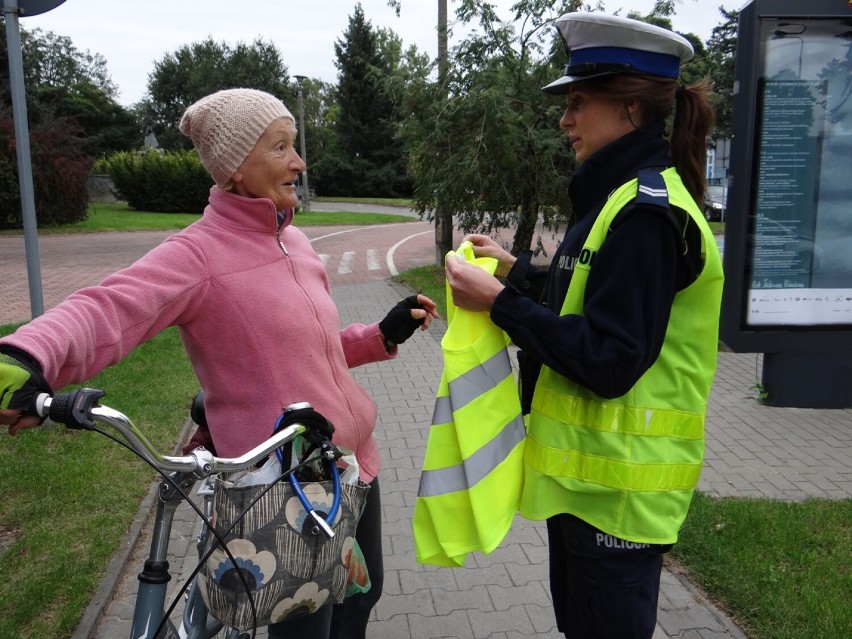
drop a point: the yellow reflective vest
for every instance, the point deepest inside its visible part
(470, 486)
(629, 465)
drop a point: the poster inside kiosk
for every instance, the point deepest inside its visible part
(799, 247)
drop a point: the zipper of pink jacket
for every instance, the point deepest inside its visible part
(280, 241)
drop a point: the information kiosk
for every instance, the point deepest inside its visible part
(788, 236)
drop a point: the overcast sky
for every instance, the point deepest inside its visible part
(132, 35)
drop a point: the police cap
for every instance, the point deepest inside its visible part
(600, 45)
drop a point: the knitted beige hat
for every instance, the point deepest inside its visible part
(225, 126)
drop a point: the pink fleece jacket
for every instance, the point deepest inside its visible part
(255, 313)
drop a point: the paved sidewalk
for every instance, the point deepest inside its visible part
(752, 450)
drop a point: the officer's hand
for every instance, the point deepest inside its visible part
(21, 382)
(473, 288)
(484, 246)
(317, 428)
(415, 311)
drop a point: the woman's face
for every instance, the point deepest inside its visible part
(272, 167)
(591, 122)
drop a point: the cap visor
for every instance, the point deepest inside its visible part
(563, 84)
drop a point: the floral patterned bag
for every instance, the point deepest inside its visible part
(290, 570)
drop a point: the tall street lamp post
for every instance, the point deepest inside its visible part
(300, 90)
(443, 215)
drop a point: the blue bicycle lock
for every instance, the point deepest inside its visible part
(328, 454)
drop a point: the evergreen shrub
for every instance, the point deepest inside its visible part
(163, 182)
(335, 176)
(60, 169)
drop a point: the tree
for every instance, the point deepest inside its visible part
(320, 113)
(53, 60)
(108, 127)
(369, 157)
(72, 116)
(63, 81)
(407, 69)
(722, 49)
(202, 68)
(492, 152)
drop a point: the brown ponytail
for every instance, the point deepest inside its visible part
(693, 122)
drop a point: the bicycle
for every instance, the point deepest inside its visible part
(151, 619)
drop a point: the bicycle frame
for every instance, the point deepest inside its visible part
(153, 580)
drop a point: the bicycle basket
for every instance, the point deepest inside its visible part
(290, 571)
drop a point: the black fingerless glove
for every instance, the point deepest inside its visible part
(21, 381)
(398, 324)
(317, 428)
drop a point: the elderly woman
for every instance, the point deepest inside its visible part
(252, 302)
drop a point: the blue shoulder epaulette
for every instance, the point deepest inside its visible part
(652, 189)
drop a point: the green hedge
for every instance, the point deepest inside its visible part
(164, 182)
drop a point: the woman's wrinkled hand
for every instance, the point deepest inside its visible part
(427, 311)
(404, 318)
(17, 421)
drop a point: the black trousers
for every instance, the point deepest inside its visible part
(349, 619)
(603, 587)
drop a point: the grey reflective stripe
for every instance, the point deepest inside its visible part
(478, 380)
(466, 388)
(474, 468)
(443, 413)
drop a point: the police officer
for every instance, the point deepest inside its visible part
(618, 337)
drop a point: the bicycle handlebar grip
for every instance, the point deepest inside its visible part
(73, 409)
(58, 407)
(317, 428)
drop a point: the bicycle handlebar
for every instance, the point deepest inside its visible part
(80, 409)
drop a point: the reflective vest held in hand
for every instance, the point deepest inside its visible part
(470, 487)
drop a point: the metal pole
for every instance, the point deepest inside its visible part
(306, 193)
(22, 145)
(443, 216)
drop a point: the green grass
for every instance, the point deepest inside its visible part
(784, 570)
(383, 201)
(68, 496)
(105, 217)
(314, 218)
